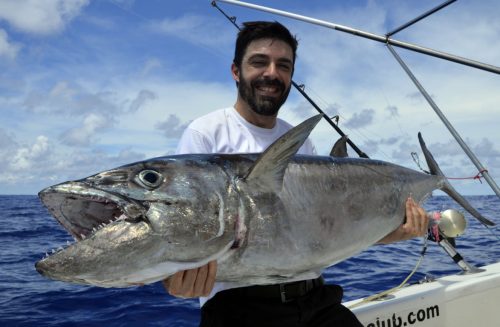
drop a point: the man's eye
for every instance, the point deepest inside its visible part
(285, 67)
(258, 63)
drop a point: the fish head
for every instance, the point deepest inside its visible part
(141, 222)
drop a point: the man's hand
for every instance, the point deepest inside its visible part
(192, 283)
(416, 224)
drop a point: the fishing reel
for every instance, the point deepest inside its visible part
(447, 224)
(444, 227)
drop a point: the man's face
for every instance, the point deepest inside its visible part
(265, 75)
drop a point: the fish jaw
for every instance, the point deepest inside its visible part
(125, 254)
(82, 209)
(124, 240)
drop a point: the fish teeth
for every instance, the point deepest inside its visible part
(83, 236)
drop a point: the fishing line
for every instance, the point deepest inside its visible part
(403, 283)
(214, 51)
(361, 132)
(340, 118)
(478, 176)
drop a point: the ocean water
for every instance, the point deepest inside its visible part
(27, 231)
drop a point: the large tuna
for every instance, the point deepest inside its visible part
(263, 217)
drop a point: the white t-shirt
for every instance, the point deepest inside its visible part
(225, 131)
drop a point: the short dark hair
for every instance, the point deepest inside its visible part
(252, 31)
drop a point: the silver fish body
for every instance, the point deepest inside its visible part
(264, 218)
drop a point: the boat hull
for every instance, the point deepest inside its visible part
(455, 300)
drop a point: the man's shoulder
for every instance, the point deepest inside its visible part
(207, 121)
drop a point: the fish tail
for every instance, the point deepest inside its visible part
(447, 187)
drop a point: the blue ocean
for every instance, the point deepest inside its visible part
(27, 231)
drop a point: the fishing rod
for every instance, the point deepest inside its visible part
(300, 88)
(391, 42)
(379, 38)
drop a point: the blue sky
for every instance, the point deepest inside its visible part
(89, 85)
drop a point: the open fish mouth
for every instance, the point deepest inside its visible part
(82, 210)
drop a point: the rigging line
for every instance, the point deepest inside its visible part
(371, 36)
(445, 121)
(353, 146)
(419, 18)
(396, 288)
(122, 7)
(358, 132)
(212, 50)
(362, 132)
(304, 94)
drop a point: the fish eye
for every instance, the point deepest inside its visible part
(150, 178)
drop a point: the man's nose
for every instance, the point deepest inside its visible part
(271, 70)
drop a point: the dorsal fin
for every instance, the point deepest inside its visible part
(340, 148)
(268, 170)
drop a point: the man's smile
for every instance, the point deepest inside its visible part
(269, 88)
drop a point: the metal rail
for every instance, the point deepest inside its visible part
(445, 121)
(371, 36)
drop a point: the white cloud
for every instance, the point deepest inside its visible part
(393, 111)
(73, 99)
(7, 49)
(125, 4)
(40, 16)
(151, 65)
(172, 127)
(85, 134)
(193, 29)
(8, 146)
(142, 97)
(70, 99)
(361, 119)
(25, 157)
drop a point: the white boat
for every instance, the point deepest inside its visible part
(465, 299)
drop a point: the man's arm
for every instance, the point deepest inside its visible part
(193, 282)
(416, 224)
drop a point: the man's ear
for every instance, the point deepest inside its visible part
(235, 72)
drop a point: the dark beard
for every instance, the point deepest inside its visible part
(266, 106)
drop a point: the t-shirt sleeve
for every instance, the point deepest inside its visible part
(193, 141)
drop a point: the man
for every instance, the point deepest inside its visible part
(263, 66)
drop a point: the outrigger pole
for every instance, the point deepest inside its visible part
(380, 38)
(389, 43)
